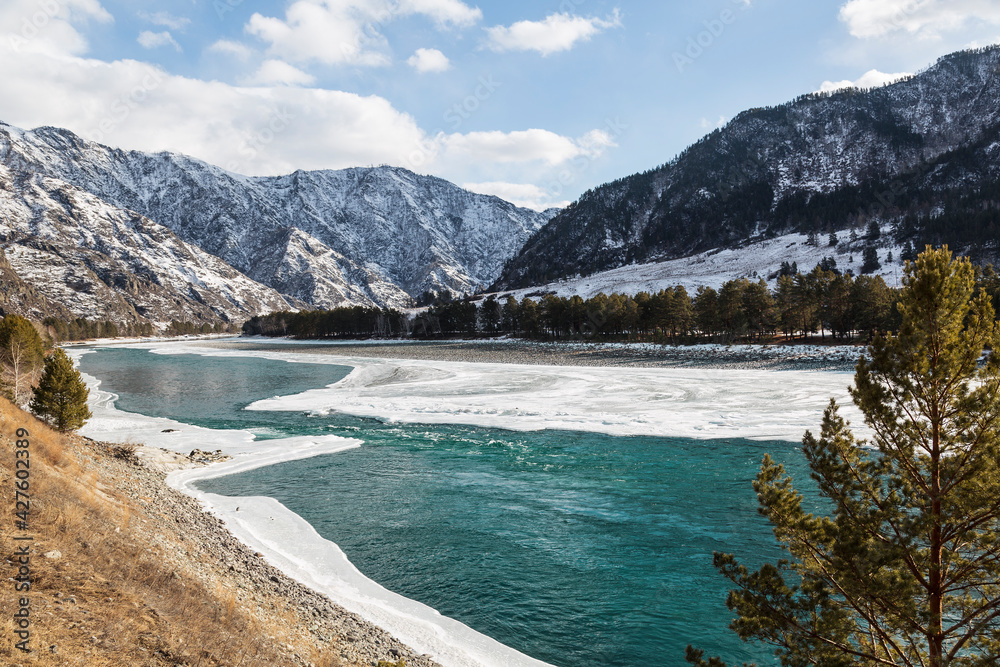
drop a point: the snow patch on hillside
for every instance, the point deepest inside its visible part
(755, 261)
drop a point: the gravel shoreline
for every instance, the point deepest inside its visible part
(211, 554)
(625, 355)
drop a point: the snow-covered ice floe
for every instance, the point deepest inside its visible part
(703, 403)
(286, 540)
(680, 402)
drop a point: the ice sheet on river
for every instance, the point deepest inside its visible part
(680, 402)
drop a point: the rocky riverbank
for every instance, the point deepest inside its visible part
(212, 555)
(635, 355)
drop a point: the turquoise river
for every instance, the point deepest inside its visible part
(579, 549)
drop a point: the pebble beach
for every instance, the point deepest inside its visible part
(625, 355)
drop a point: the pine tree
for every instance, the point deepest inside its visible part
(21, 356)
(873, 233)
(832, 241)
(61, 395)
(905, 568)
(869, 260)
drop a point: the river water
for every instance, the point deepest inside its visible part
(579, 549)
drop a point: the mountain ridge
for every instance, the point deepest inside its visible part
(399, 232)
(377, 236)
(824, 162)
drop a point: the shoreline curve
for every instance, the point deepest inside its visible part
(289, 542)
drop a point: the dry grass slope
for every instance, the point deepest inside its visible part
(112, 599)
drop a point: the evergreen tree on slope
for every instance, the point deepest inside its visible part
(61, 395)
(905, 569)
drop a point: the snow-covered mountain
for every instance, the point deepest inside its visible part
(921, 158)
(366, 236)
(68, 253)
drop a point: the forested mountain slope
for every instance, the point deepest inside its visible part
(921, 155)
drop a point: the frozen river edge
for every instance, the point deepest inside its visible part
(696, 403)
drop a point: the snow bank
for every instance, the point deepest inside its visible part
(713, 268)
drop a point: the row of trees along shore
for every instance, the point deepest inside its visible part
(800, 305)
(84, 329)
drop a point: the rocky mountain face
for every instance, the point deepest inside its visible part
(69, 254)
(19, 297)
(922, 154)
(376, 236)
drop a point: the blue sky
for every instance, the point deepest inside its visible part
(533, 101)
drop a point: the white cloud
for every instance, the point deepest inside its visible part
(230, 48)
(444, 12)
(924, 18)
(332, 33)
(346, 32)
(871, 79)
(429, 60)
(706, 124)
(558, 32)
(266, 128)
(533, 145)
(525, 195)
(278, 73)
(27, 26)
(166, 20)
(154, 40)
